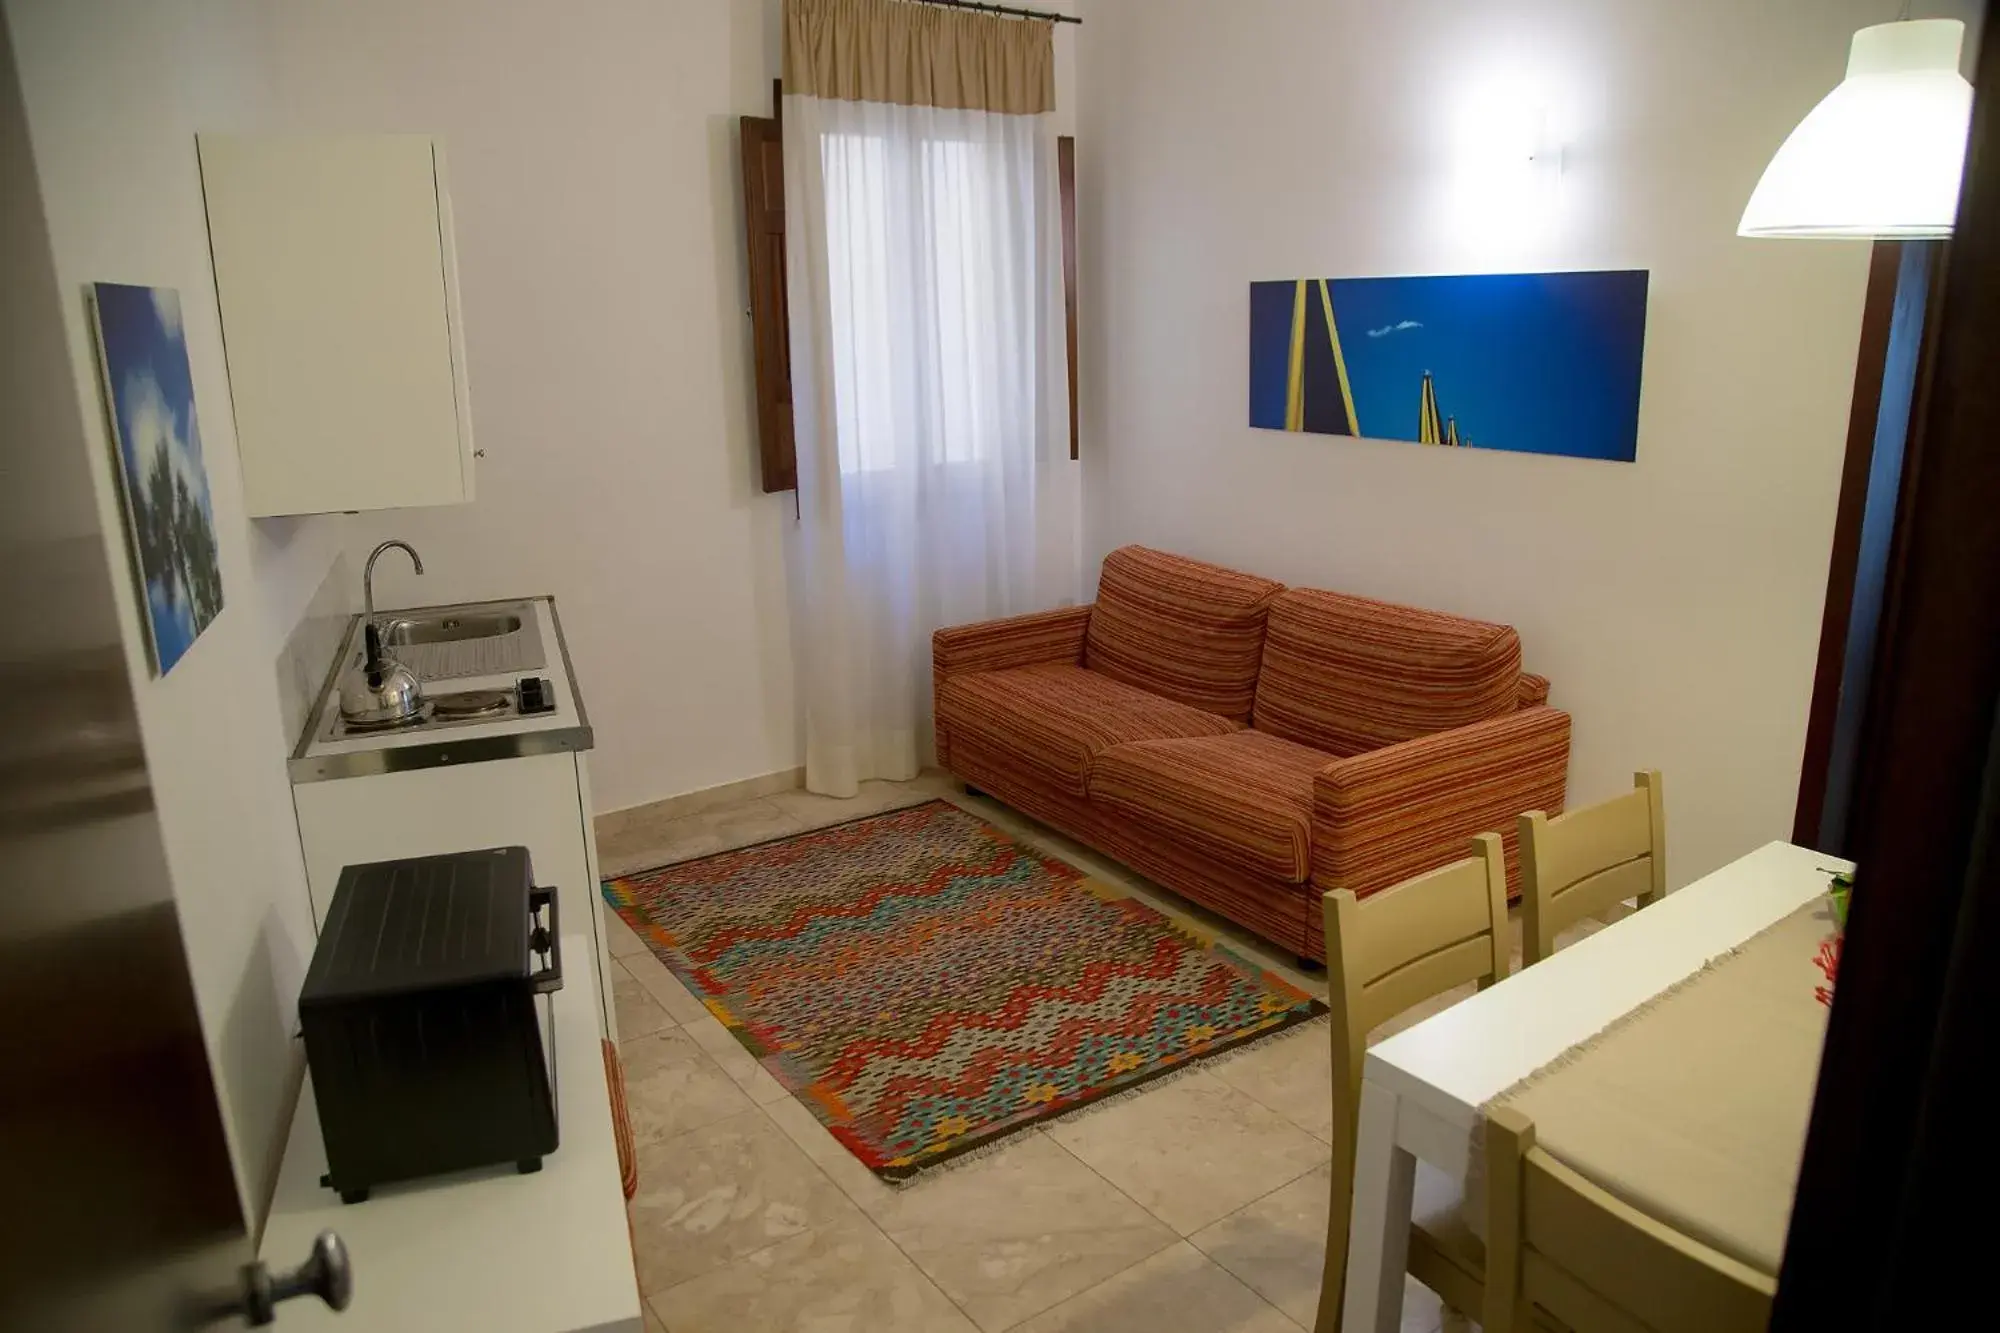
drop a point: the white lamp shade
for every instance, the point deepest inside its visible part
(1882, 155)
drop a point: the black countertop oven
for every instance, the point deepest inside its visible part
(426, 1015)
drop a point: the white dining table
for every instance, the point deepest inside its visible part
(1423, 1090)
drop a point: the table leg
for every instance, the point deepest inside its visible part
(1378, 1237)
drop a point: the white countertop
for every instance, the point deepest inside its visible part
(486, 1251)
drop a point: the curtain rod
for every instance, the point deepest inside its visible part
(1001, 9)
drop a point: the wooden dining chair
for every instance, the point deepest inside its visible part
(1404, 945)
(1579, 864)
(1561, 1250)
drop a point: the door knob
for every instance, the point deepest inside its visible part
(324, 1274)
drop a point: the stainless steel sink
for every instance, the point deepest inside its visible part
(450, 629)
(455, 642)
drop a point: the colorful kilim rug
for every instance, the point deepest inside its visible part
(927, 985)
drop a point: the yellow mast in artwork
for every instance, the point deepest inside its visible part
(1339, 361)
(1295, 379)
(1428, 430)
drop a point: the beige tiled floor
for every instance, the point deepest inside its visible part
(1197, 1205)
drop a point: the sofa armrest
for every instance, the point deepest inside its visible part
(1015, 641)
(995, 645)
(1380, 818)
(1532, 692)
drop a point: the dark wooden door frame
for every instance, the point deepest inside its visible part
(1877, 311)
(1891, 379)
(1890, 1206)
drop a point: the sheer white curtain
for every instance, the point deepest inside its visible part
(930, 407)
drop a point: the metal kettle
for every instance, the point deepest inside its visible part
(382, 692)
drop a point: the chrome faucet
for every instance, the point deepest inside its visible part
(368, 576)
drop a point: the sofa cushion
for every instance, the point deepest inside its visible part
(1179, 628)
(1349, 675)
(1049, 721)
(1245, 799)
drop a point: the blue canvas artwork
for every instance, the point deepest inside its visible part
(1545, 363)
(149, 395)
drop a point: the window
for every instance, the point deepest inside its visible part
(954, 195)
(913, 258)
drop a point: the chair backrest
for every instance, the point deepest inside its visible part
(1579, 864)
(1350, 674)
(1559, 1243)
(1189, 631)
(1402, 946)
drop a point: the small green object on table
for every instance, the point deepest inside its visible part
(1841, 890)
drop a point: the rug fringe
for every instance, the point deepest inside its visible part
(1110, 1100)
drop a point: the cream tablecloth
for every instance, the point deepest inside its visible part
(1693, 1108)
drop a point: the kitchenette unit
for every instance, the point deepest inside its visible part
(490, 751)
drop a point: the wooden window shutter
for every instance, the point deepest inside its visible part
(770, 326)
(1066, 185)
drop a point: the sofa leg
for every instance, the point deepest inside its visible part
(1309, 966)
(971, 790)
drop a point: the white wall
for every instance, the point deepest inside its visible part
(1674, 601)
(114, 94)
(593, 161)
(592, 154)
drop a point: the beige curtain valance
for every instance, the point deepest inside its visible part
(919, 55)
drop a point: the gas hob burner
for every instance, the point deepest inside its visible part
(472, 703)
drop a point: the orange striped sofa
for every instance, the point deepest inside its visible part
(1248, 745)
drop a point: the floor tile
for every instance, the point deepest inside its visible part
(1192, 1150)
(639, 1014)
(1176, 1291)
(643, 844)
(845, 1277)
(671, 1087)
(1010, 1235)
(721, 1193)
(681, 1004)
(857, 1182)
(810, 810)
(741, 1066)
(1277, 1245)
(622, 940)
(1291, 1073)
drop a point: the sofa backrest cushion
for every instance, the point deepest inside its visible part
(1179, 628)
(1349, 674)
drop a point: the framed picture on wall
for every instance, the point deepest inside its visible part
(1544, 363)
(169, 521)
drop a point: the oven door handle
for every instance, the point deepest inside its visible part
(545, 939)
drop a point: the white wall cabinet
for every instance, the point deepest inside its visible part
(336, 274)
